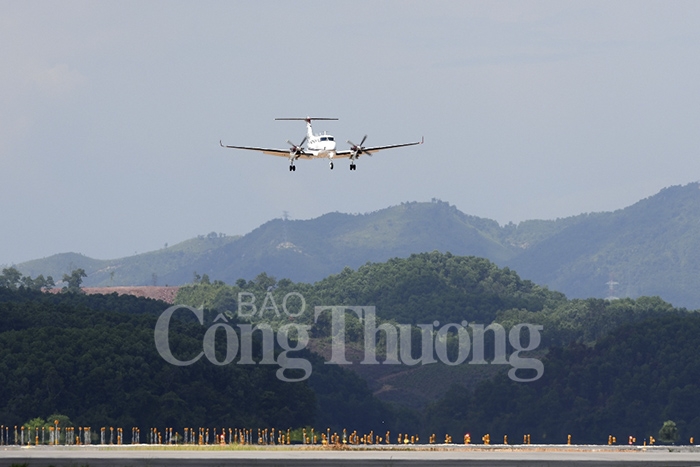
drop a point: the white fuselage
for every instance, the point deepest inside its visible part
(322, 146)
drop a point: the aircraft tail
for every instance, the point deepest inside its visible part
(309, 129)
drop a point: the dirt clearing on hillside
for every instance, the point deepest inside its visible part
(166, 294)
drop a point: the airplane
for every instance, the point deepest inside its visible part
(321, 146)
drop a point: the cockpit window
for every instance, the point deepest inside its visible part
(323, 138)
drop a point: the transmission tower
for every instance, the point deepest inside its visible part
(285, 217)
(611, 288)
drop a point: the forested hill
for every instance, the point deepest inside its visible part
(618, 367)
(649, 248)
(422, 289)
(628, 384)
(93, 359)
(301, 250)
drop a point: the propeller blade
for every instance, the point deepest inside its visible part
(296, 149)
(358, 149)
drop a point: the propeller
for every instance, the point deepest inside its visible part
(296, 150)
(358, 149)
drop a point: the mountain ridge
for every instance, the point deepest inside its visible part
(649, 248)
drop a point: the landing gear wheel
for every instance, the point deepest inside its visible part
(292, 168)
(353, 167)
(331, 166)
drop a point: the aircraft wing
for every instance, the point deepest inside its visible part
(270, 151)
(370, 150)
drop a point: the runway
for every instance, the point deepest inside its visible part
(371, 456)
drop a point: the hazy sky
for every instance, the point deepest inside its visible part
(111, 112)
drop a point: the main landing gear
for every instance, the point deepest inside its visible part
(353, 167)
(292, 168)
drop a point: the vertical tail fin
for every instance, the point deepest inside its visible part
(309, 129)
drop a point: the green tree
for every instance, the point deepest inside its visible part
(43, 284)
(10, 278)
(39, 283)
(37, 422)
(264, 281)
(668, 434)
(73, 280)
